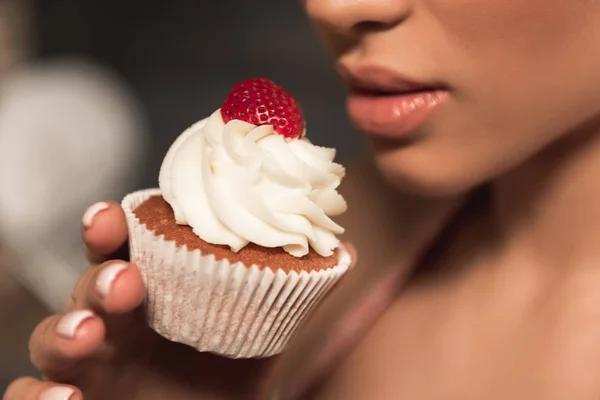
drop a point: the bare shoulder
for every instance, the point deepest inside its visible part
(424, 337)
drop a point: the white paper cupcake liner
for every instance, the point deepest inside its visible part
(215, 306)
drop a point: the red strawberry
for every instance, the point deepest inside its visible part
(261, 101)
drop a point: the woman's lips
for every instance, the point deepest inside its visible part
(393, 115)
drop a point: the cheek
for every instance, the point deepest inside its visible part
(524, 24)
(525, 47)
(516, 43)
(525, 72)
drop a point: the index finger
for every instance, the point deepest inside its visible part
(104, 232)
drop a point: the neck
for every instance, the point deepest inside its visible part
(549, 208)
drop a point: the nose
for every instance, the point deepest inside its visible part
(354, 16)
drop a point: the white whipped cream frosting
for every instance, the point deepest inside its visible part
(238, 183)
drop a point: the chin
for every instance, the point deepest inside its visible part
(434, 180)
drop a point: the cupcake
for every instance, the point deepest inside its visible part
(238, 245)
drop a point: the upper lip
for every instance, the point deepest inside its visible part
(374, 79)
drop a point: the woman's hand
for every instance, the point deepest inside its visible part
(102, 348)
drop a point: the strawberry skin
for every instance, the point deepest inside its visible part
(260, 101)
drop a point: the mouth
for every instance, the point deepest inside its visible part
(386, 104)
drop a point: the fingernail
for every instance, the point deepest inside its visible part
(57, 393)
(107, 276)
(90, 213)
(69, 324)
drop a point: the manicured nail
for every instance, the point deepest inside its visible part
(70, 322)
(57, 393)
(90, 213)
(107, 276)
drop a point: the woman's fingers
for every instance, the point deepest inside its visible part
(115, 291)
(113, 288)
(104, 232)
(34, 389)
(61, 342)
(103, 305)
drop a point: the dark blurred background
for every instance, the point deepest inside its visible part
(182, 57)
(177, 60)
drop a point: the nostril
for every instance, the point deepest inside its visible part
(371, 26)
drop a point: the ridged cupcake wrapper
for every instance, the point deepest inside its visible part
(229, 309)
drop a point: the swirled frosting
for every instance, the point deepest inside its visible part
(238, 183)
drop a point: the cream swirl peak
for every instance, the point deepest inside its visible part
(236, 183)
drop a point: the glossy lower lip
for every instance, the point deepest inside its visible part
(394, 115)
